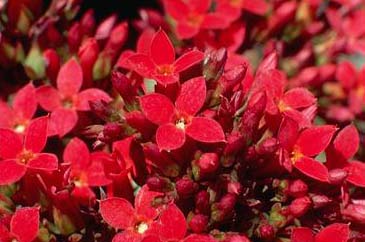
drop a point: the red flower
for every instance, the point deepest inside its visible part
(176, 121)
(300, 147)
(20, 155)
(161, 65)
(191, 16)
(67, 100)
(24, 225)
(135, 222)
(86, 170)
(335, 232)
(23, 108)
(232, 8)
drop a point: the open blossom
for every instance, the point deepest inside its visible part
(24, 106)
(20, 155)
(161, 65)
(66, 100)
(299, 147)
(24, 226)
(176, 121)
(335, 232)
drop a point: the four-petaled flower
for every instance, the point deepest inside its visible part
(335, 232)
(67, 100)
(19, 155)
(299, 148)
(175, 121)
(160, 64)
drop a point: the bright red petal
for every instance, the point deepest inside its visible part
(69, 79)
(157, 108)
(299, 98)
(95, 174)
(288, 133)
(192, 96)
(172, 224)
(176, 8)
(91, 94)
(346, 74)
(63, 120)
(11, 171)
(356, 171)
(166, 79)
(312, 168)
(302, 234)
(169, 137)
(25, 224)
(144, 203)
(44, 161)
(214, 21)
(335, 233)
(186, 31)
(25, 103)
(117, 212)
(314, 140)
(36, 136)
(142, 64)
(201, 238)
(77, 154)
(145, 40)
(127, 236)
(49, 98)
(187, 60)
(10, 144)
(205, 130)
(200, 6)
(7, 115)
(347, 141)
(162, 42)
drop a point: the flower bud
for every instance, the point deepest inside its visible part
(355, 213)
(198, 223)
(185, 187)
(112, 132)
(337, 176)
(297, 189)
(320, 201)
(300, 206)
(74, 37)
(266, 232)
(206, 165)
(268, 146)
(52, 64)
(156, 183)
(213, 65)
(88, 23)
(202, 202)
(117, 39)
(123, 85)
(88, 53)
(102, 66)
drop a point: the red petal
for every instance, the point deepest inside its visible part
(200, 6)
(288, 133)
(335, 233)
(11, 171)
(214, 21)
(299, 98)
(157, 108)
(166, 79)
(187, 60)
(117, 212)
(172, 224)
(48, 98)
(145, 40)
(91, 94)
(347, 141)
(162, 42)
(356, 171)
(201, 238)
(25, 103)
(25, 224)
(259, 7)
(36, 136)
(69, 79)
(176, 8)
(186, 31)
(95, 174)
(312, 168)
(302, 234)
(314, 140)
(169, 137)
(151, 238)
(7, 115)
(77, 154)
(142, 64)
(346, 74)
(127, 236)
(63, 120)
(144, 203)
(44, 161)
(270, 62)
(10, 144)
(192, 96)
(205, 130)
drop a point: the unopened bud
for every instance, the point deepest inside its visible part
(213, 65)
(297, 189)
(202, 202)
(186, 187)
(266, 232)
(337, 176)
(320, 201)
(198, 223)
(300, 206)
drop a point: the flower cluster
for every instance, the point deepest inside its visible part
(222, 120)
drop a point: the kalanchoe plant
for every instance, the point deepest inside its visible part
(197, 121)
